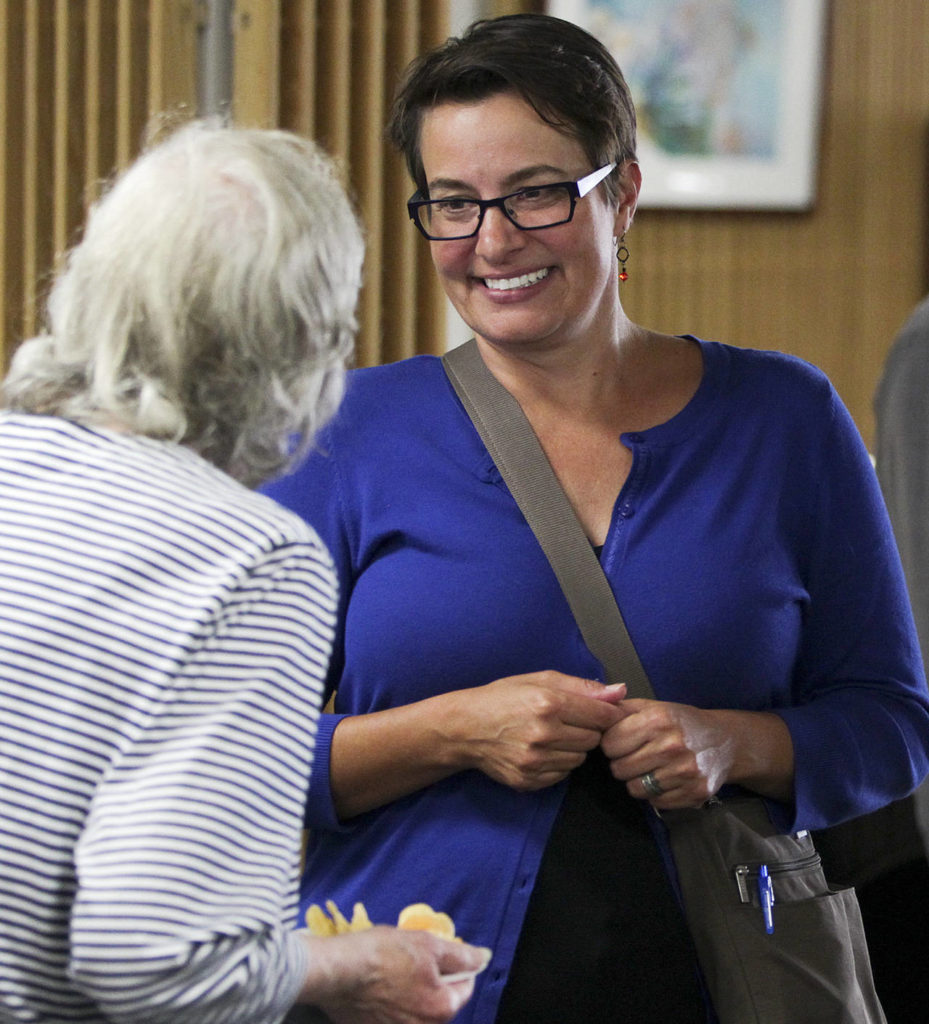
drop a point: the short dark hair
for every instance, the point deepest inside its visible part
(567, 76)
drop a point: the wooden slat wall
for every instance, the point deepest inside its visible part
(256, 42)
(834, 284)
(82, 77)
(78, 82)
(339, 64)
(79, 78)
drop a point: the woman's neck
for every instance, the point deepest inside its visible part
(575, 377)
(637, 381)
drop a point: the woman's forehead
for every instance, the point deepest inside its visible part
(501, 134)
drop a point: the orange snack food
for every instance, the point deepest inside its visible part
(335, 923)
(421, 917)
(415, 917)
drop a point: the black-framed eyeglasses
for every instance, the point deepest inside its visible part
(530, 208)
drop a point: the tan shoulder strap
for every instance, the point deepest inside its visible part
(522, 463)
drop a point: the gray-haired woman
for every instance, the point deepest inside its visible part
(164, 631)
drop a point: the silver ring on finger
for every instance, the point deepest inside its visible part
(651, 785)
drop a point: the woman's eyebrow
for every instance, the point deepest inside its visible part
(513, 180)
(449, 184)
(552, 173)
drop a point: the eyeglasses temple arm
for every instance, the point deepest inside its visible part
(590, 181)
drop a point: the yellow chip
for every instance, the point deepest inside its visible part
(360, 920)
(421, 917)
(318, 922)
(415, 917)
(341, 923)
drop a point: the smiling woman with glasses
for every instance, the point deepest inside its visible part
(474, 758)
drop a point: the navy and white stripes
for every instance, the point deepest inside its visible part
(164, 634)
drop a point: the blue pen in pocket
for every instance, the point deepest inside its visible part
(766, 898)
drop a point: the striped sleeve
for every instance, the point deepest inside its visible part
(186, 866)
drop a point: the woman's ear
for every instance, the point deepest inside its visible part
(630, 183)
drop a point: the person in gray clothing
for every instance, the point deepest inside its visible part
(901, 406)
(894, 892)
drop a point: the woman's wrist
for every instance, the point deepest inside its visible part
(763, 759)
(385, 755)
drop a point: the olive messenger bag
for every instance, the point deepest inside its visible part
(775, 943)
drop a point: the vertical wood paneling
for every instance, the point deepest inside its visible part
(98, 116)
(62, 181)
(38, 156)
(7, 186)
(299, 67)
(256, 33)
(333, 62)
(93, 95)
(29, 114)
(172, 56)
(432, 305)
(126, 58)
(14, 169)
(402, 281)
(340, 63)
(366, 158)
(833, 284)
(78, 80)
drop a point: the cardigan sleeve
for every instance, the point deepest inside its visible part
(320, 809)
(314, 491)
(860, 723)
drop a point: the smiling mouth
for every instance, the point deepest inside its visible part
(508, 284)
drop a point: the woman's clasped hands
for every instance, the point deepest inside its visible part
(538, 727)
(529, 731)
(676, 755)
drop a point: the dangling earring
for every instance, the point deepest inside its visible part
(622, 254)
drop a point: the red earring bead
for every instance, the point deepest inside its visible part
(622, 254)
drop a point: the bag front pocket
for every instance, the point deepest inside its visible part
(812, 966)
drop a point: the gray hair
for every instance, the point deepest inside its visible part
(210, 302)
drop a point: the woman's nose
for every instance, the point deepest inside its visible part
(497, 234)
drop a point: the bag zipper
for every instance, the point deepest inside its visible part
(746, 875)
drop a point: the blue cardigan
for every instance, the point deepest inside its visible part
(749, 551)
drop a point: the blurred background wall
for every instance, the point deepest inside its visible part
(80, 79)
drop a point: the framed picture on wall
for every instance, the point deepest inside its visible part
(727, 94)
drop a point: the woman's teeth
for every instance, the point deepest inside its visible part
(507, 284)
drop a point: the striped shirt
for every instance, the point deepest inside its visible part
(163, 637)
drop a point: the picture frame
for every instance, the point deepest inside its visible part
(727, 93)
